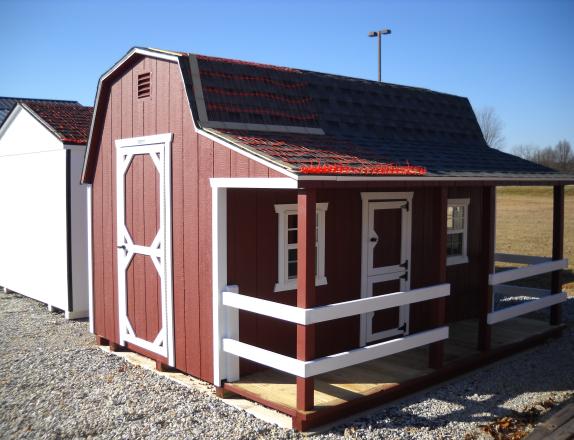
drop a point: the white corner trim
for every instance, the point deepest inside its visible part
(90, 259)
(253, 182)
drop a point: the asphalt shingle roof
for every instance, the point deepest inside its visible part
(277, 112)
(6, 104)
(69, 122)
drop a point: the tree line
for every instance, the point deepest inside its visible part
(559, 157)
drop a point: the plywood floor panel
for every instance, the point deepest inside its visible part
(343, 385)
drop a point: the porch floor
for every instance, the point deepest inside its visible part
(342, 386)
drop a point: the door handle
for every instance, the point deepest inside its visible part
(123, 246)
(373, 239)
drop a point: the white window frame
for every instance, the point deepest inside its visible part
(283, 282)
(463, 258)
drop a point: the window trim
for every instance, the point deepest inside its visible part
(462, 258)
(283, 210)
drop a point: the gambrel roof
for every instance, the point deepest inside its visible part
(316, 123)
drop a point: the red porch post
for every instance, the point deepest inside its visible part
(557, 250)
(436, 350)
(487, 255)
(306, 219)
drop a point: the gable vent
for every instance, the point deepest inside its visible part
(144, 85)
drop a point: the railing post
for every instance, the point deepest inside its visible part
(488, 231)
(306, 219)
(557, 250)
(436, 350)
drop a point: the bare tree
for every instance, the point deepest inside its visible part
(525, 151)
(491, 126)
(564, 155)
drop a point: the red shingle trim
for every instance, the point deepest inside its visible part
(278, 113)
(379, 170)
(279, 83)
(245, 63)
(272, 96)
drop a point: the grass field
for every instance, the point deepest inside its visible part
(524, 225)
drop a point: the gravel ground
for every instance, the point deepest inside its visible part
(55, 383)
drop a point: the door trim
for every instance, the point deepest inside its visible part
(142, 145)
(368, 198)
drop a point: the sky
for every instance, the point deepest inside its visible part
(514, 56)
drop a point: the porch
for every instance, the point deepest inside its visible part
(315, 389)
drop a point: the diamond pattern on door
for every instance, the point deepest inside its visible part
(144, 244)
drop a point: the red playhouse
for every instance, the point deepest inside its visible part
(317, 243)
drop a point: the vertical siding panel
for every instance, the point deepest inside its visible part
(150, 104)
(98, 250)
(137, 104)
(116, 134)
(239, 165)
(127, 105)
(107, 222)
(191, 214)
(151, 207)
(257, 170)
(138, 235)
(205, 158)
(243, 221)
(178, 239)
(221, 161)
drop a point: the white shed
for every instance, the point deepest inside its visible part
(43, 207)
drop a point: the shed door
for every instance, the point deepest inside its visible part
(144, 243)
(386, 254)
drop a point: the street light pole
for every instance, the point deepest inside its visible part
(378, 35)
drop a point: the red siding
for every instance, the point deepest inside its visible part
(252, 263)
(195, 159)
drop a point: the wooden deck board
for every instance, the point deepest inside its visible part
(340, 386)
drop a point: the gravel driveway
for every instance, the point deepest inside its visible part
(55, 383)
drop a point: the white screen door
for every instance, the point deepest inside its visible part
(386, 259)
(143, 182)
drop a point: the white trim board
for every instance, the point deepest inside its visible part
(525, 272)
(525, 307)
(337, 361)
(330, 312)
(253, 182)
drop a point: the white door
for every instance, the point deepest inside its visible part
(143, 183)
(386, 262)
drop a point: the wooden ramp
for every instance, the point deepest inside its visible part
(386, 376)
(558, 427)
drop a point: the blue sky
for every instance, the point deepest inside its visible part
(515, 56)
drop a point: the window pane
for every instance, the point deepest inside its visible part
(454, 244)
(292, 270)
(292, 221)
(458, 217)
(292, 237)
(449, 221)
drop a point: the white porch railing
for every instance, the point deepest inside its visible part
(232, 349)
(535, 266)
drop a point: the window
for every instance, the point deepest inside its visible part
(287, 258)
(457, 231)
